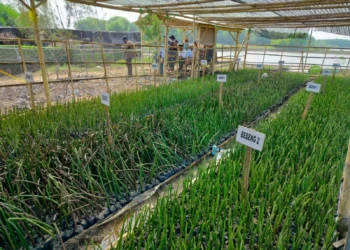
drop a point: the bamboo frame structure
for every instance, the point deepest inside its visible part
(107, 64)
(24, 68)
(40, 53)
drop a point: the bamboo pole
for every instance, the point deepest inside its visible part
(264, 55)
(40, 54)
(193, 54)
(159, 59)
(236, 49)
(307, 106)
(105, 69)
(220, 94)
(324, 58)
(344, 207)
(214, 53)
(347, 67)
(308, 49)
(136, 75)
(246, 51)
(165, 64)
(222, 58)
(24, 68)
(142, 57)
(247, 159)
(66, 45)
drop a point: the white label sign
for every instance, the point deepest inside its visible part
(336, 65)
(29, 76)
(313, 87)
(105, 99)
(155, 66)
(222, 78)
(281, 62)
(327, 72)
(260, 66)
(204, 62)
(238, 60)
(250, 138)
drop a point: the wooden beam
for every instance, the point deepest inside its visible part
(259, 7)
(160, 6)
(283, 18)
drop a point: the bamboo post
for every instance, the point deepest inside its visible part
(69, 68)
(302, 61)
(214, 53)
(40, 54)
(308, 49)
(135, 68)
(324, 58)
(142, 57)
(259, 76)
(220, 94)
(165, 64)
(222, 57)
(246, 51)
(334, 70)
(308, 103)
(324, 84)
(178, 67)
(264, 55)
(109, 136)
(347, 67)
(24, 68)
(247, 159)
(154, 78)
(104, 68)
(232, 65)
(236, 48)
(344, 207)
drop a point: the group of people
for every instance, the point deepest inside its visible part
(182, 54)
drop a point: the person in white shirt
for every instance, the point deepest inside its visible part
(182, 57)
(189, 57)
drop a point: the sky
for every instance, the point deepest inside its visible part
(104, 13)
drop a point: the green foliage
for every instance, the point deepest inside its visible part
(292, 181)
(91, 23)
(151, 27)
(315, 69)
(8, 15)
(62, 163)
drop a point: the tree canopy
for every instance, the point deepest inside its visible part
(8, 15)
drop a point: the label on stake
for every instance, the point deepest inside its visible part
(336, 65)
(204, 62)
(327, 72)
(313, 87)
(105, 99)
(221, 78)
(250, 138)
(29, 76)
(281, 62)
(155, 66)
(260, 66)
(238, 60)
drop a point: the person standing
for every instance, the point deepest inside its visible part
(172, 52)
(128, 54)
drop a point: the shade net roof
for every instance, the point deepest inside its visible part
(327, 15)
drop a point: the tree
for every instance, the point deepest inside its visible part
(151, 27)
(90, 23)
(118, 23)
(8, 15)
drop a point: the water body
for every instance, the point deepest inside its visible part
(294, 57)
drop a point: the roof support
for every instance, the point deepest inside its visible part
(40, 53)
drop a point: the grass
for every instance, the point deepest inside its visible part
(58, 170)
(294, 184)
